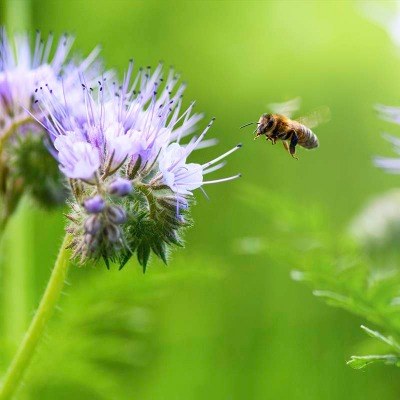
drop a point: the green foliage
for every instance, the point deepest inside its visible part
(340, 272)
(263, 329)
(105, 334)
(359, 362)
(153, 224)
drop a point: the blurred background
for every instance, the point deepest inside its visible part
(224, 320)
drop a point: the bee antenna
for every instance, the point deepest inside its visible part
(250, 123)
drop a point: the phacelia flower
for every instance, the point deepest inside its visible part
(130, 148)
(26, 69)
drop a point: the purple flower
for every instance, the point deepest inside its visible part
(26, 71)
(132, 139)
(182, 177)
(77, 158)
(125, 128)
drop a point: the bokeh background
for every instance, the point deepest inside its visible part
(224, 320)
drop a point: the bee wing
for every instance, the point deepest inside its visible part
(288, 108)
(315, 118)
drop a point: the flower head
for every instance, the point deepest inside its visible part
(26, 71)
(124, 143)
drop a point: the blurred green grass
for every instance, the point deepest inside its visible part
(252, 333)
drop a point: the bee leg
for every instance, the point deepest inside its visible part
(292, 146)
(286, 146)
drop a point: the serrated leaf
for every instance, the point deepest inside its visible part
(143, 255)
(106, 261)
(124, 260)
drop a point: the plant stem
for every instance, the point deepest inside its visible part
(32, 337)
(17, 248)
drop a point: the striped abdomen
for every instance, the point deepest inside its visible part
(306, 137)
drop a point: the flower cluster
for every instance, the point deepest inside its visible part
(23, 70)
(124, 149)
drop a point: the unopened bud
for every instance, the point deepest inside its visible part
(112, 233)
(120, 187)
(116, 215)
(90, 241)
(94, 205)
(92, 224)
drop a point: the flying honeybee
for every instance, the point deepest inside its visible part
(279, 126)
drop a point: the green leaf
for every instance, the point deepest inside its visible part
(143, 255)
(385, 339)
(360, 362)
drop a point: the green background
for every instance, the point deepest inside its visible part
(224, 320)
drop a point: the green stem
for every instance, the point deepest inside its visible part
(149, 197)
(17, 271)
(32, 337)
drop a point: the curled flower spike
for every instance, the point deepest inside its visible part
(127, 145)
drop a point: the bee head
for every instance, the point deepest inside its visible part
(265, 124)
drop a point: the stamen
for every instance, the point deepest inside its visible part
(206, 165)
(230, 178)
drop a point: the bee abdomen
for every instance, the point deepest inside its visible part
(308, 138)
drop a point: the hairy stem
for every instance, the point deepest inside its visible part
(146, 191)
(35, 331)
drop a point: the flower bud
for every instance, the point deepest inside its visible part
(116, 215)
(120, 187)
(92, 225)
(91, 241)
(112, 233)
(94, 205)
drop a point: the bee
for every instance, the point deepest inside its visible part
(277, 126)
